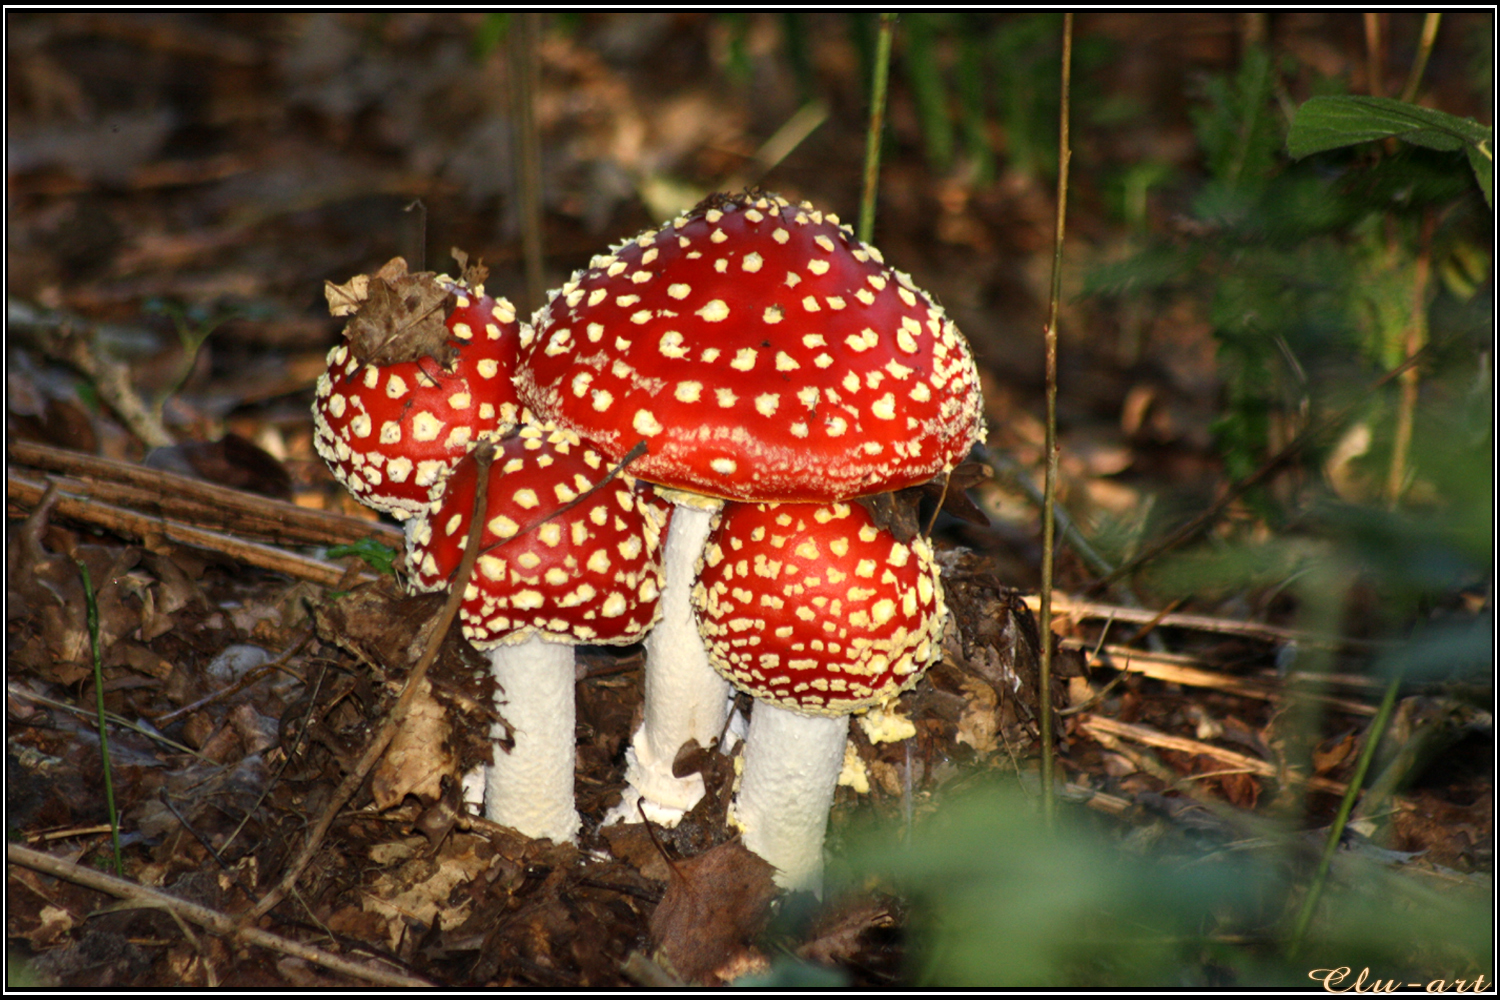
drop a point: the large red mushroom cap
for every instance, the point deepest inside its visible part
(762, 353)
(815, 609)
(394, 412)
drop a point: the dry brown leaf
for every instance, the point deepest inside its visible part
(416, 886)
(400, 317)
(714, 904)
(980, 724)
(419, 754)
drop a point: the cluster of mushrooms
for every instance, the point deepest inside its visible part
(679, 432)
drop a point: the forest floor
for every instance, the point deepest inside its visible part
(180, 187)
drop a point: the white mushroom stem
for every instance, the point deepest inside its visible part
(530, 789)
(686, 699)
(792, 765)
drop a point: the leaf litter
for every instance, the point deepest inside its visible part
(240, 698)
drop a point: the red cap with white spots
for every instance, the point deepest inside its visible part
(390, 431)
(590, 574)
(762, 353)
(813, 608)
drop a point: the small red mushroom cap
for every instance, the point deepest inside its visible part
(762, 353)
(590, 574)
(813, 608)
(390, 431)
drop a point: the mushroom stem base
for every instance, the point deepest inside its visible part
(530, 789)
(792, 765)
(686, 699)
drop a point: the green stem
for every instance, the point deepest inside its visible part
(1424, 52)
(1064, 155)
(1336, 831)
(109, 786)
(877, 128)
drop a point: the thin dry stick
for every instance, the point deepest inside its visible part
(77, 343)
(1186, 670)
(27, 493)
(1107, 727)
(876, 128)
(483, 456)
(196, 502)
(1049, 492)
(524, 76)
(1416, 339)
(1375, 54)
(214, 921)
(783, 142)
(1065, 604)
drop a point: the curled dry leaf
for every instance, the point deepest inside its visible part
(397, 316)
(419, 754)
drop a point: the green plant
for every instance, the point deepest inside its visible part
(999, 900)
(1315, 275)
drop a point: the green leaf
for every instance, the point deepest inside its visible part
(380, 558)
(1330, 122)
(1483, 162)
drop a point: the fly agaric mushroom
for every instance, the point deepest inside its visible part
(423, 377)
(559, 566)
(761, 353)
(818, 614)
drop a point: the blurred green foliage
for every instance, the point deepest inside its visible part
(998, 900)
(985, 87)
(1309, 272)
(1319, 278)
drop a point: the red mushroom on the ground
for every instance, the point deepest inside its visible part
(549, 576)
(761, 353)
(423, 377)
(818, 614)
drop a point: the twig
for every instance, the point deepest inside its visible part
(214, 921)
(76, 342)
(14, 691)
(205, 505)
(1065, 604)
(28, 493)
(1064, 155)
(524, 74)
(793, 132)
(483, 456)
(1416, 338)
(1201, 523)
(1187, 671)
(1102, 725)
(876, 129)
(1375, 54)
(250, 677)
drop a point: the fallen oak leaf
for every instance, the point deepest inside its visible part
(714, 904)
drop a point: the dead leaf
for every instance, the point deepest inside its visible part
(418, 757)
(714, 904)
(401, 317)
